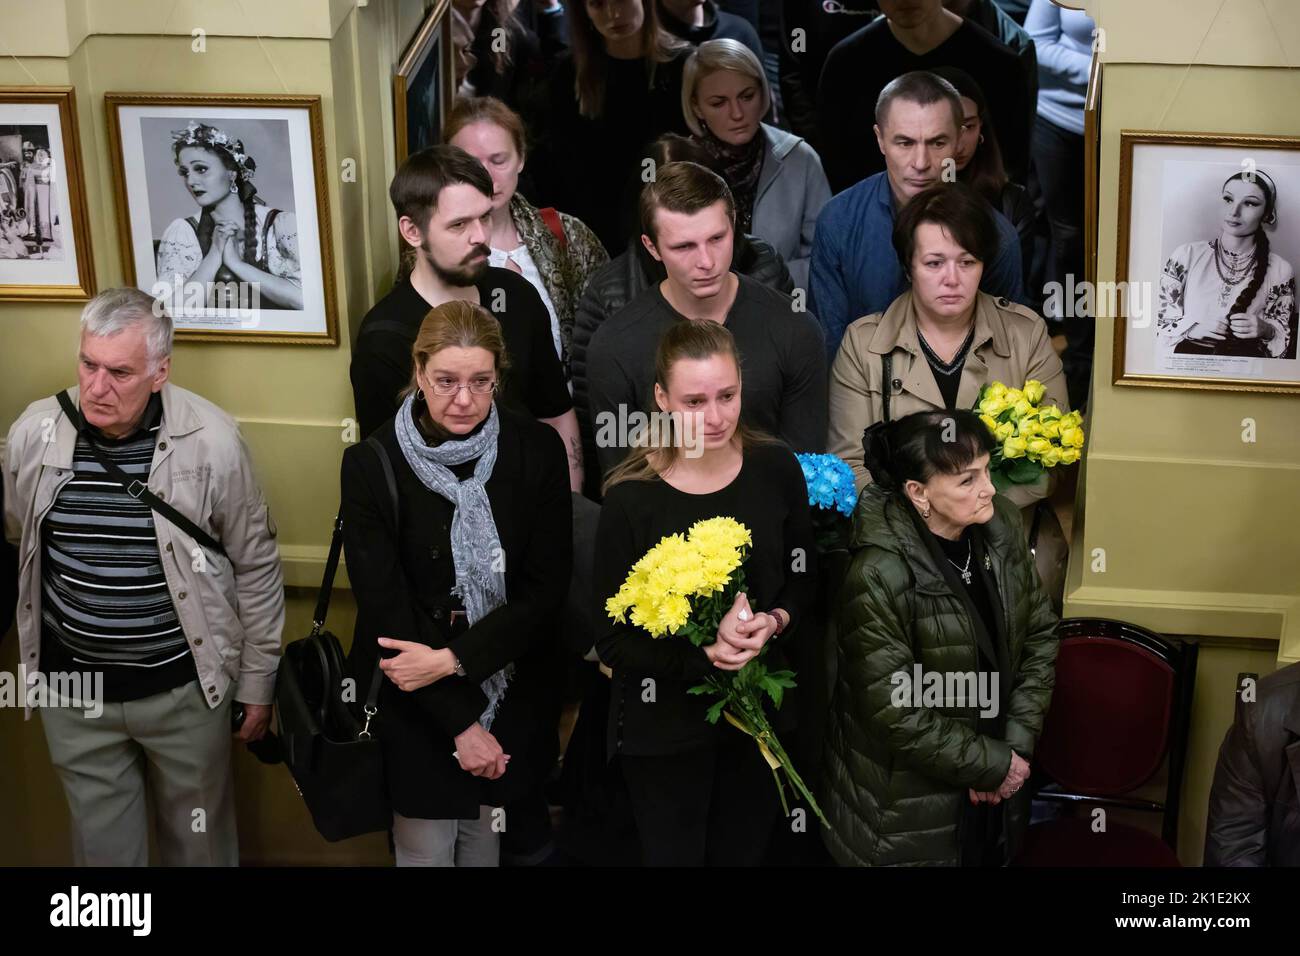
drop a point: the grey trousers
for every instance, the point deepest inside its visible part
(172, 743)
(446, 842)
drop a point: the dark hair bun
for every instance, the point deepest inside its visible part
(878, 456)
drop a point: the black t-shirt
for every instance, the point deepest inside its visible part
(782, 357)
(770, 498)
(862, 64)
(381, 362)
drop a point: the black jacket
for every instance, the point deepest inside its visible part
(620, 281)
(1254, 817)
(402, 591)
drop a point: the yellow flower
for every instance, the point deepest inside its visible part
(1021, 408)
(1049, 413)
(1037, 447)
(989, 422)
(995, 390)
(1035, 390)
(1051, 429)
(1004, 431)
(1013, 448)
(993, 407)
(1028, 426)
(1051, 458)
(1069, 456)
(1071, 437)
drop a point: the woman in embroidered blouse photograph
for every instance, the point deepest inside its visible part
(1231, 295)
(233, 235)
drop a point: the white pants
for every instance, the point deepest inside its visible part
(470, 842)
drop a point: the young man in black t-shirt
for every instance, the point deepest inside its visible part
(688, 217)
(443, 199)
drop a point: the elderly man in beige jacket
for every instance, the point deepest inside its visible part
(173, 617)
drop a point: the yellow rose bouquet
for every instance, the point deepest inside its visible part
(683, 587)
(1031, 437)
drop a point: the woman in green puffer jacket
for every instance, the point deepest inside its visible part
(945, 658)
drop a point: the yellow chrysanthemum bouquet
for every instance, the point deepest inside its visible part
(683, 587)
(1031, 437)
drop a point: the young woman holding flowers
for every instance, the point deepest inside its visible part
(941, 341)
(701, 792)
(941, 584)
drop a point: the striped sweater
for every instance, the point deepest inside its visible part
(106, 607)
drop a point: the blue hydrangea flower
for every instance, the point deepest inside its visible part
(830, 483)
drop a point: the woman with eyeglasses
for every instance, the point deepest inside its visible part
(458, 593)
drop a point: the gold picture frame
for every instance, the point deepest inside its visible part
(1216, 152)
(428, 58)
(74, 282)
(1091, 169)
(315, 322)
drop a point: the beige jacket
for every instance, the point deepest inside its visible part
(1011, 346)
(232, 611)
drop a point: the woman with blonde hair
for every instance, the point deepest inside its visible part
(456, 519)
(554, 251)
(775, 176)
(701, 793)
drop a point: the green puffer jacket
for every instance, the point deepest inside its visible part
(895, 778)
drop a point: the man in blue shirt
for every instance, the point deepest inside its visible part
(855, 269)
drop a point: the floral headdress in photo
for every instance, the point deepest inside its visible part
(218, 140)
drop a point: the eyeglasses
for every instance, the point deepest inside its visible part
(445, 387)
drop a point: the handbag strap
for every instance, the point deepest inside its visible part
(553, 222)
(135, 487)
(372, 695)
(327, 582)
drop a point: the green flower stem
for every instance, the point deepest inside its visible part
(755, 723)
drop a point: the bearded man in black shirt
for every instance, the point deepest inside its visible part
(443, 199)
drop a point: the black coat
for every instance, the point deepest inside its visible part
(402, 591)
(1254, 817)
(621, 280)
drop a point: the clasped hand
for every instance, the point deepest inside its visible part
(1016, 776)
(741, 635)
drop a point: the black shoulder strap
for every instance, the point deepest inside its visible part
(389, 478)
(887, 381)
(138, 489)
(372, 696)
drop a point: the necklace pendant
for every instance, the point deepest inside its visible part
(965, 576)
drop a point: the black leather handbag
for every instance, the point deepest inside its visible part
(333, 753)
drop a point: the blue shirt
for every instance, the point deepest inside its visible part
(855, 270)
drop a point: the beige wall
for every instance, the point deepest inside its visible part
(291, 402)
(1198, 529)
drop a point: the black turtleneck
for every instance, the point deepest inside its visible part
(958, 553)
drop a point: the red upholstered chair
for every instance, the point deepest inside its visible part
(1120, 707)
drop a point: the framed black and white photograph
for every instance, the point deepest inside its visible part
(44, 230)
(1209, 242)
(424, 83)
(224, 213)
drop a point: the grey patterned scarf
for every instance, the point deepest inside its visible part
(475, 544)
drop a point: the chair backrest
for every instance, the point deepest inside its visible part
(1117, 708)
